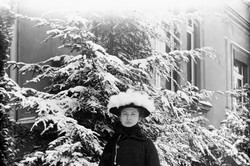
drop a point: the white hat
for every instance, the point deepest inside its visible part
(131, 98)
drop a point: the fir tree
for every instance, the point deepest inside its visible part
(7, 141)
(109, 53)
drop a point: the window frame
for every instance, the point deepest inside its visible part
(193, 73)
(241, 60)
(171, 81)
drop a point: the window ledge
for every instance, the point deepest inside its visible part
(205, 106)
(27, 120)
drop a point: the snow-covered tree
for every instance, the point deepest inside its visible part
(7, 141)
(110, 53)
(236, 125)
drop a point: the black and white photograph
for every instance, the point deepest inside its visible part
(124, 82)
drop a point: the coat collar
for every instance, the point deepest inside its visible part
(129, 132)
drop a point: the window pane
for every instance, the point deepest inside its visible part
(189, 70)
(239, 83)
(195, 75)
(245, 74)
(190, 23)
(176, 44)
(167, 49)
(175, 75)
(168, 84)
(189, 41)
(241, 69)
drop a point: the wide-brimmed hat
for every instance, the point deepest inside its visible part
(131, 98)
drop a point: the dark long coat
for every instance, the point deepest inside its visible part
(129, 147)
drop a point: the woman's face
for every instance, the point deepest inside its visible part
(129, 116)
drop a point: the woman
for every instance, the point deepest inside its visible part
(128, 146)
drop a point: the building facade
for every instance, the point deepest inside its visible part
(225, 27)
(229, 35)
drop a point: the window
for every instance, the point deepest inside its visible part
(240, 68)
(171, 83)
(174, 39)
(157, 78)
(240, 74)
(173, 43)
(156, 45)
(192, 43)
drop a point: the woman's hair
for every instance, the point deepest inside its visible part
(141, 113)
